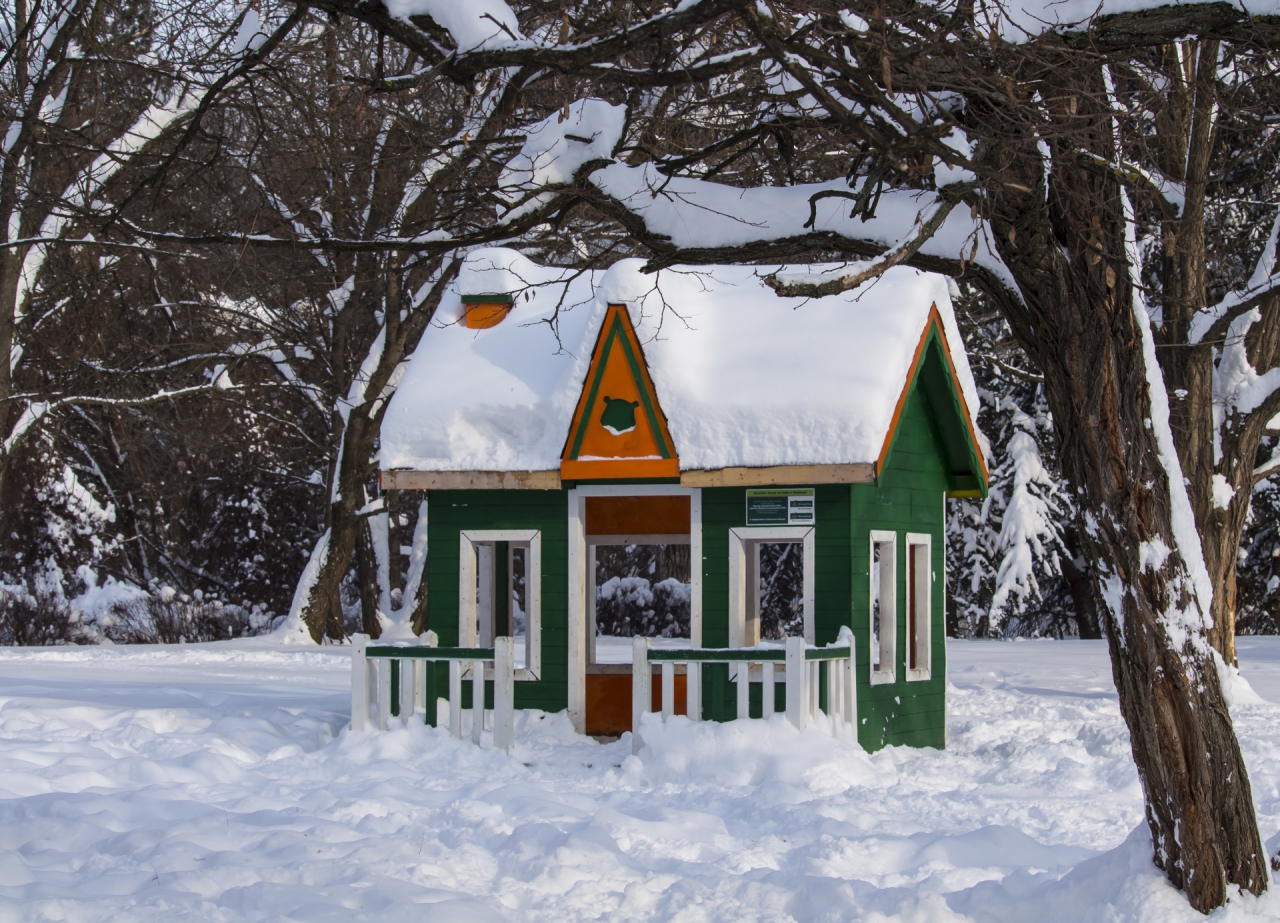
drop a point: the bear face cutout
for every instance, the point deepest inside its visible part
(619, 415)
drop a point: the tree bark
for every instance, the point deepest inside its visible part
(367, 576)
(1083, 596)
(1077, 318)
(350, 473)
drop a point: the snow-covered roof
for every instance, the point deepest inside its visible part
(745, 378)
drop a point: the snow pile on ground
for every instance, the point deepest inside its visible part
(217, 782)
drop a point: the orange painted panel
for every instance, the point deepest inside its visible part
(609, 701)
(637, 515)
(624, 468)
(482, 315)
(618, 429)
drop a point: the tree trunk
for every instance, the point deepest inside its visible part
(1077, 317)
(350, 472)
(1083, 596)
(367, 576)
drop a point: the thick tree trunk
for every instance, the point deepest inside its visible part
(1077, 318)
(1084, 598)
(351, 473)
(367, 576)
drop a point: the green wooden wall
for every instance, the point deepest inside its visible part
(450, 512)
(908, 498)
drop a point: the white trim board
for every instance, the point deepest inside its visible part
(924, 584)
(888, 659)
(467, 579)
(739, 537)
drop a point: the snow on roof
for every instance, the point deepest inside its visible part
(745, 378)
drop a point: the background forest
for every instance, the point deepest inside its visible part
(178, 402)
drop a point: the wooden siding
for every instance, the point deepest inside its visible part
(452, 511)
(908, 498)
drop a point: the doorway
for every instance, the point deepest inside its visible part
(635, 577)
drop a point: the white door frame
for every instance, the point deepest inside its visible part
(579, 559)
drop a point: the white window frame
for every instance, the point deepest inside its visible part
(739, 539)
(579, 559)
(925, 583)
(467, 580)
(887, 673)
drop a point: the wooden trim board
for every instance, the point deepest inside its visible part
(469, 480)
(863, 473)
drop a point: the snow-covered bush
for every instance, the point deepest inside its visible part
(1258, 568)
(631, 606)
(1014, 565)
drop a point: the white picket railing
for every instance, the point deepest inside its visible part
(399, 680)
(803, 666)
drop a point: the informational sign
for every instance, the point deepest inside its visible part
(781, 506)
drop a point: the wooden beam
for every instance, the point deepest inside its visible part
(469, 480)
(863, 473)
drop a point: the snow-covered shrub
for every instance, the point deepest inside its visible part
(642, 590)
(1258, 568)
(631, 606)
(28, 619)
(781, 590)
(1014, 563)
(170, 618)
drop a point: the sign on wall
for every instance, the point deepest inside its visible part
(781, 506)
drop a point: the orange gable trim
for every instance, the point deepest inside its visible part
(931, 325)
(618, 428)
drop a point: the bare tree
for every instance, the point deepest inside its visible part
(89, 92)
(972, 140)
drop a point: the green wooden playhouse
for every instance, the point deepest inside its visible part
(554, 418)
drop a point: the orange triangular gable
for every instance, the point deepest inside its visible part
(618, 429)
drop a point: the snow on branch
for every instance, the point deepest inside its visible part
(789, 285)
(37, 411)
(1212, 323)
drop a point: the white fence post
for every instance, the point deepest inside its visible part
(641, 688)
(814, 681)
(430, 701)
(850, 672)
(744, 690)
(359, 682)
(693, 690)
(477, 700)
(384, 692)
(504, 690)
(407, 699)
(668, 689)
(797, 694)
(455, 698)
(767, 694)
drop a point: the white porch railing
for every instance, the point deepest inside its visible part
(392, 680)
(803, 672)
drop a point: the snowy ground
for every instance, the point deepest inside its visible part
(215, 782)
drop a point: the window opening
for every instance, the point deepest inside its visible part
(775, 611)
(639, 589)
(770, 584)
(883, 606)
(502, 606)
(918, 581)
